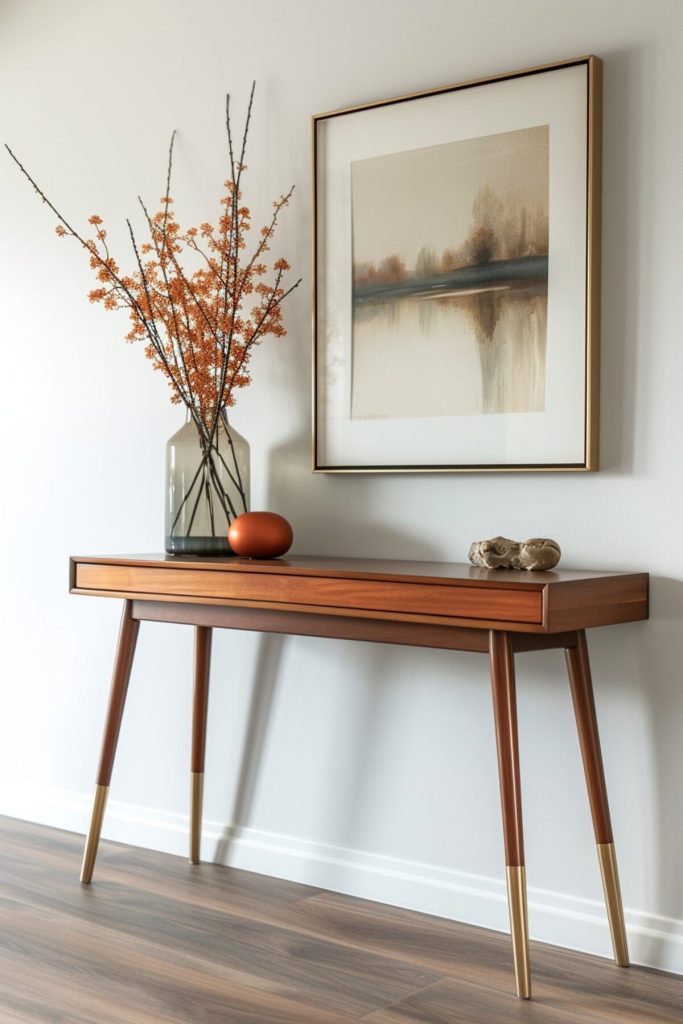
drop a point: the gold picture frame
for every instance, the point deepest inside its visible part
(504, 392)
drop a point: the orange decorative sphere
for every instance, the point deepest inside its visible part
(260, 535)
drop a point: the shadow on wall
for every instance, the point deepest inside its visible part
(640, 667)
(288, 463)
(659, 660)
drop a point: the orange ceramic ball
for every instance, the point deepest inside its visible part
(260, 535)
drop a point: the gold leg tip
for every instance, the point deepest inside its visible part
(519, 929)
(93, 839)
(196, 798)
(613, 902)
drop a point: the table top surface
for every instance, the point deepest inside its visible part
(440, 593)
(457, 573)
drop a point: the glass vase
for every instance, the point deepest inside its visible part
(207, 487)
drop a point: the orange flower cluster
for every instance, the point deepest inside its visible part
(195, 325)
(200, 325)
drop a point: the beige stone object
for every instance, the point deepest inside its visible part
(502, 553)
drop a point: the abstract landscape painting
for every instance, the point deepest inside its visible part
(450, 278)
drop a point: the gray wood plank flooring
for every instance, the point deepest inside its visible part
(156, 941)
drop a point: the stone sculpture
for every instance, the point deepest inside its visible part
(501, 553)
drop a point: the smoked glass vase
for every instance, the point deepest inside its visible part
(207, 487)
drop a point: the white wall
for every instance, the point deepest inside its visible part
(365, 768)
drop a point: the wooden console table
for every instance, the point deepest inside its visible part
(456, 607)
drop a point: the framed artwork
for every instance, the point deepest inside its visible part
(457, 257)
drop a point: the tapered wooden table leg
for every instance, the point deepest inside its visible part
(505, 715)
(202, 663)
(589, 739)
(123, 663)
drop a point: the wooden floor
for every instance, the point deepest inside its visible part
(156, 941)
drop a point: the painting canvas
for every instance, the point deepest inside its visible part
(450, 278)
(456, 306)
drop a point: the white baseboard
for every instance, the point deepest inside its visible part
(554, 917)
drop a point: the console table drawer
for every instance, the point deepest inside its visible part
(462, 602)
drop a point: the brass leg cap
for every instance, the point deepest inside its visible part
(615, 908)
(519, 929)
(93, 840)
(196, 798)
